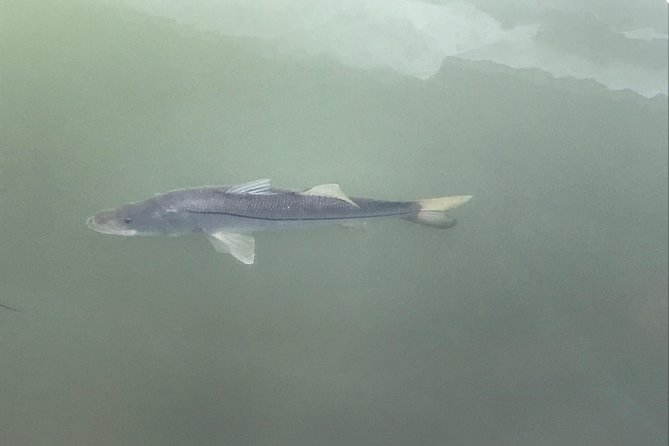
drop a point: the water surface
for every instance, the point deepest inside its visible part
(540, 319)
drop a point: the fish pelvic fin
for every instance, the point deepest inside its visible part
(240, 246)
(432, 211)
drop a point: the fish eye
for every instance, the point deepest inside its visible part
(127, 220)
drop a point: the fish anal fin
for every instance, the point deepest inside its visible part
(331, 190)
(240, 246)
(356, 226)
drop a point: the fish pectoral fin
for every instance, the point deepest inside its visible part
(255, 187)
(330, 191)
(240, 246)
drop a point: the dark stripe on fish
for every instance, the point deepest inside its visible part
(298, 219)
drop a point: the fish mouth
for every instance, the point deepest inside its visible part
(108, 227)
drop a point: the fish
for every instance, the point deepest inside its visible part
(230, 215)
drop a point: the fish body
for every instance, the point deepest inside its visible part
(229, 215)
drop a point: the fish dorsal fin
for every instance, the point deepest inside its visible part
(330, 191)
(255, 187)
(241, 246)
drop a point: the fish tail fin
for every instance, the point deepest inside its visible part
(432, 211)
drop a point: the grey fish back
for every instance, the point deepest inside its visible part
(280, 205)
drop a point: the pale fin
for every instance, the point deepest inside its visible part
(240, 246)
(358, 226)
(432, 211)
(256, 187)
(442, 203)
(330, 191)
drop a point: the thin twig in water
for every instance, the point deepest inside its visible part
(9, 308)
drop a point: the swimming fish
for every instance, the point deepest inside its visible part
(229, 215)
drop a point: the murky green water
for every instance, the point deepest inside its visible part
(540, 319)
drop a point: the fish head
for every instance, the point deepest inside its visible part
(129, 220)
